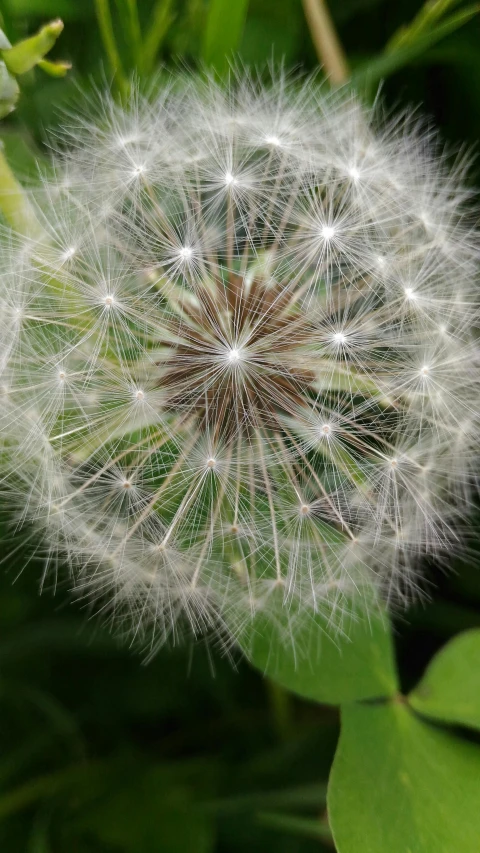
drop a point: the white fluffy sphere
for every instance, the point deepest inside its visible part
(242, 358)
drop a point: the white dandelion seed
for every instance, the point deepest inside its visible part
(240, 372)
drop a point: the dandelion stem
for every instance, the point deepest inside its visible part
(327, 44)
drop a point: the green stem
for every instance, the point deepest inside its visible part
(14, 203)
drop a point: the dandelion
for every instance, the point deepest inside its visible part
(240, 368)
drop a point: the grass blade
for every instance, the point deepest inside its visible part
(223, 31)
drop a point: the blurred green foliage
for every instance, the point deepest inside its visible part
(444, 76)
(197, 753)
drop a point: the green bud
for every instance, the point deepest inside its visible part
(27, 53)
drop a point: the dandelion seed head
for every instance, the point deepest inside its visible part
(241, 368)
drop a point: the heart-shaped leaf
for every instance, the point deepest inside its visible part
(450, 689)
(322, 665)
(401, 785)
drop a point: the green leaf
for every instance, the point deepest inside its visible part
(450, 689)
(128, 15)
(431, 12)
(389, 62)
(38, 841)
(23, 156)
(400, 785)
(42, 788)
(161, 18)
(223, 31)
(153, 811)
(276, 27)
(107, 32)
(322, 666)
(66, 9)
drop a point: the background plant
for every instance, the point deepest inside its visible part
(104, 756)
